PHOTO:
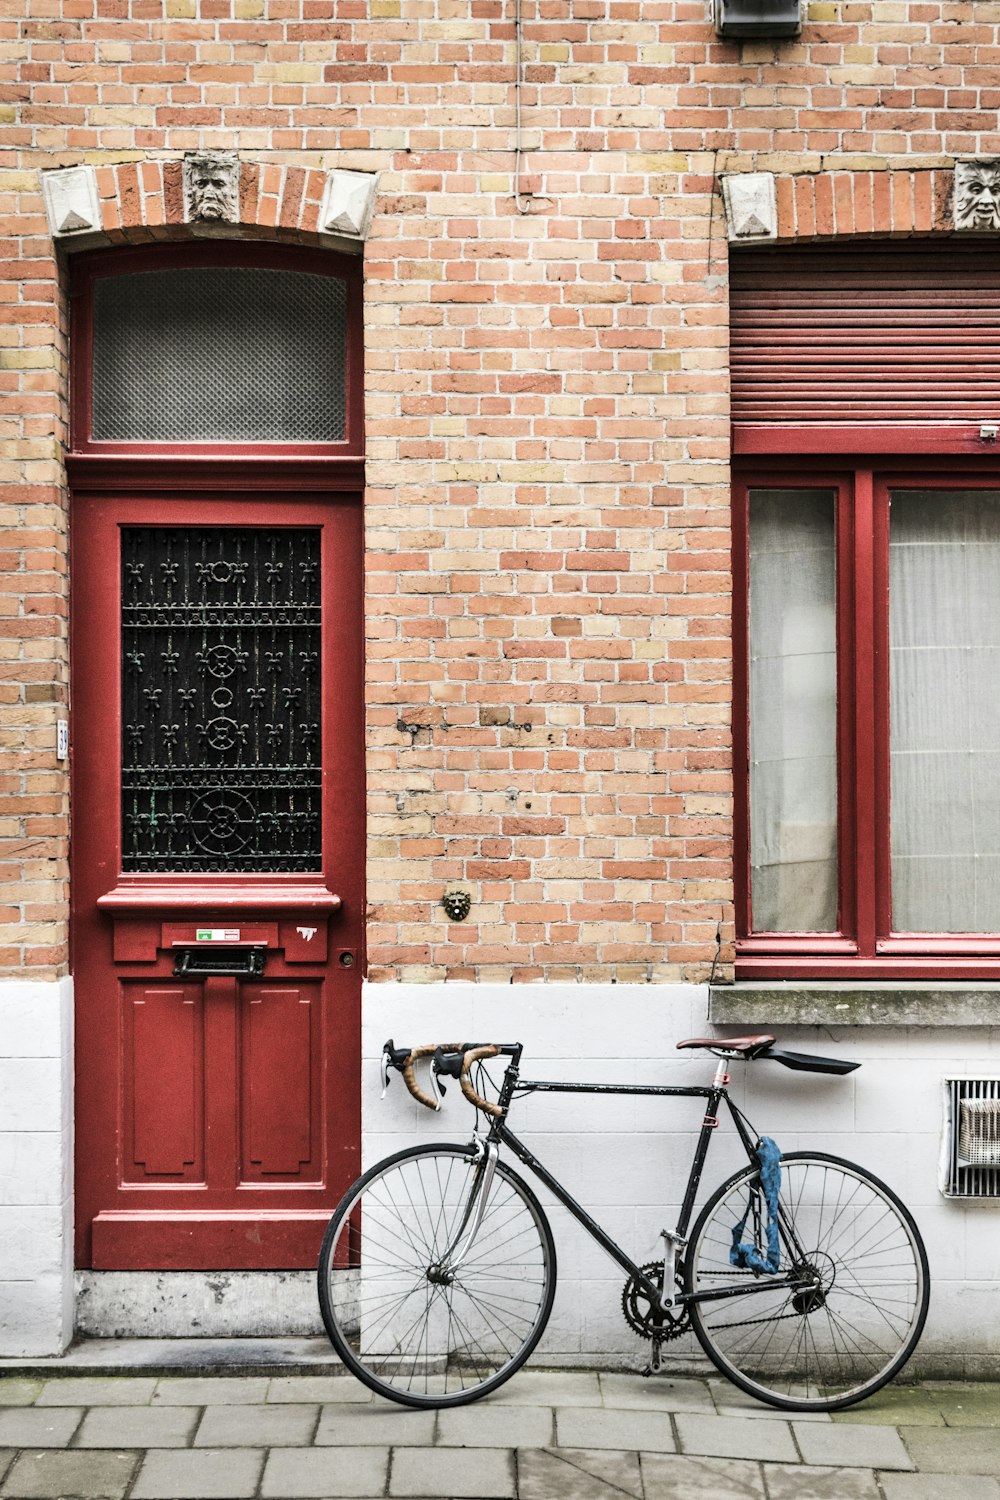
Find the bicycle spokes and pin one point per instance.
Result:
(846, 1306)
(453, 1276)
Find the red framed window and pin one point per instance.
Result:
(867, 669)
(208, 349)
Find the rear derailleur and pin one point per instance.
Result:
(658, 1324)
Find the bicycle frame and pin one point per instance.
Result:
(457, 1266)
(714, 1094)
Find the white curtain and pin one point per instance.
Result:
(793, 711)
(944, 673)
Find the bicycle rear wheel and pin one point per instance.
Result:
(846, 1307)
(415, 1311)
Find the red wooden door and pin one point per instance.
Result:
(217, 872)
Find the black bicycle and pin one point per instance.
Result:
(804, 1278)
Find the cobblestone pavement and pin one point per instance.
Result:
(544, 1436)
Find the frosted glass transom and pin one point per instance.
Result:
(219, 355)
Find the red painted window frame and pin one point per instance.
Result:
(864, 945)
(89, 268)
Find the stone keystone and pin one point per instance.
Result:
(71, 202)
(212, 187)
(348, 203)
(977, 195)
(751, 207)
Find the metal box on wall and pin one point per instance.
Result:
(758, 18)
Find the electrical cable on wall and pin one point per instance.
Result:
(522, 208)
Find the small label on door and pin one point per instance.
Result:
(217, 935)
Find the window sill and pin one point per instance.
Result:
(929, 1003)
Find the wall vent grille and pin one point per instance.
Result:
(972, 1138)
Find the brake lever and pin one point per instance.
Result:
(437, 1067)
(392, 1057)
(437, 1087)
(445, 1062)
(450, 1062)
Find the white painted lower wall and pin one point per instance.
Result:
(36, 1166)
(627, 1159)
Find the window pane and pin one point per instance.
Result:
(793, 711)
(944, 676)
(219, 354)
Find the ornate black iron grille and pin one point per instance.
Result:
(220, 699)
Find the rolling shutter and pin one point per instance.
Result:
(907, 334)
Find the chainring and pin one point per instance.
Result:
(642, 1317)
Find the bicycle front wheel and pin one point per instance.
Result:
(844, 1310)
(434, 1287)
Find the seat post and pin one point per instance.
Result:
(721, 1078)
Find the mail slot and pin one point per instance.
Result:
(204, 963)
(142, 937)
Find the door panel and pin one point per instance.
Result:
(163, 1083)
(217, 766)
(281, 1050)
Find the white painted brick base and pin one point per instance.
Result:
(36, 1167)
(627, 1159)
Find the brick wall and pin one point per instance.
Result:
(547, 506)
(34, 824)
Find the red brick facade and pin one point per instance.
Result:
(548, 661)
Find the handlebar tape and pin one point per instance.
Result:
(476, 1054)
(409, 1077)
(472, 1055)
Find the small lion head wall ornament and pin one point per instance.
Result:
(457, 905)
(211, 190)
(977, 194)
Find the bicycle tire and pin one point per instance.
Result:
(426, 1342)
(857, 1309)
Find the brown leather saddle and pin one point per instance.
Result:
(749, 1047)
(746, 1046)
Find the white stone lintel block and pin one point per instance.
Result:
(348, 204)
(71, 202)
(751, 207)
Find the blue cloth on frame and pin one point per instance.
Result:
(747, 1256)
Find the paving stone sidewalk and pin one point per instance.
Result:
(544, 1436)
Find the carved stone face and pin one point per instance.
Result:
(977, 194)
(210, 182)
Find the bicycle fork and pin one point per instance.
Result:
(485, 1158)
